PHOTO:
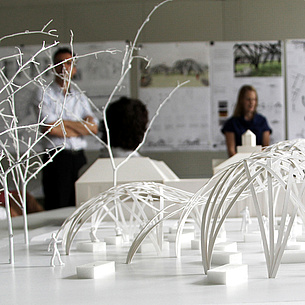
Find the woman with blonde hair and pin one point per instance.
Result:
(246, 117)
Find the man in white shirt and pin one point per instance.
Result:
(62, 100)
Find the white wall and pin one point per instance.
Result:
(179, 20)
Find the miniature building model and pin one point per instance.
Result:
(248, 140)
(99, 176)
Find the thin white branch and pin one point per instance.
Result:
(28, 32)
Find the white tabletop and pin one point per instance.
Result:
(149, 279)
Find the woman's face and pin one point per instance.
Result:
(250, 101)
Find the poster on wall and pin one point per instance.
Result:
(295, 71)
(97, 75)
(184, 121)
(256, 63)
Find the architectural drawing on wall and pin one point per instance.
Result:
(163, 75)
(97, 75)
(257, 59)
(184, 122)
(222, 112)
(295, 70)
(232, 66)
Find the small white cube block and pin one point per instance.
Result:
(91, 246)
(293, 257)
(172, 230)
(165, 245)
(187, 228)
(300, 238)
(114, 240)
(186, 236)
(146, 247)
(95, 270)
(297, 229)
(295, 246)
(251, 237)
(171, 237)
(229, 274)
(196, 244)
(222, 258)
(226, 246)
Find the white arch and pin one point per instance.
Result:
(146, 198)
(279, 168)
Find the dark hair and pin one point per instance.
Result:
(59, 51)
(127, 119)
(239, 108)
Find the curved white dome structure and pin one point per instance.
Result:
(146, 207)
(278, 172)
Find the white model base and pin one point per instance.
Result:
(95, 270)
(186, 236)
(300, 238)
(91, 246)
(253, 236)
(165, 245)
(195, 244)
(187, 227)
(220, 246)
(226, 246)
(293, 257)
(222, 258)
(229, 274)
(114, 240)
(295, 246)
(249, 149)
(296, 230)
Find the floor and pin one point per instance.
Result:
(149, 280)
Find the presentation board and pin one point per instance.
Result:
(192, 118)
(295, 71)
(256, 63)
(216, 70)
(184, 121)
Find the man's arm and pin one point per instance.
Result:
(74, 128)
(83, 128)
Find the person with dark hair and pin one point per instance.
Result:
(79, 121)
(127, 120)
(245, 118)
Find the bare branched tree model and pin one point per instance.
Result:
(20, 142)
(26, 160)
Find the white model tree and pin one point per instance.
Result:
(129, 56)
(21, 155)
(112, 203)
(18, 143)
